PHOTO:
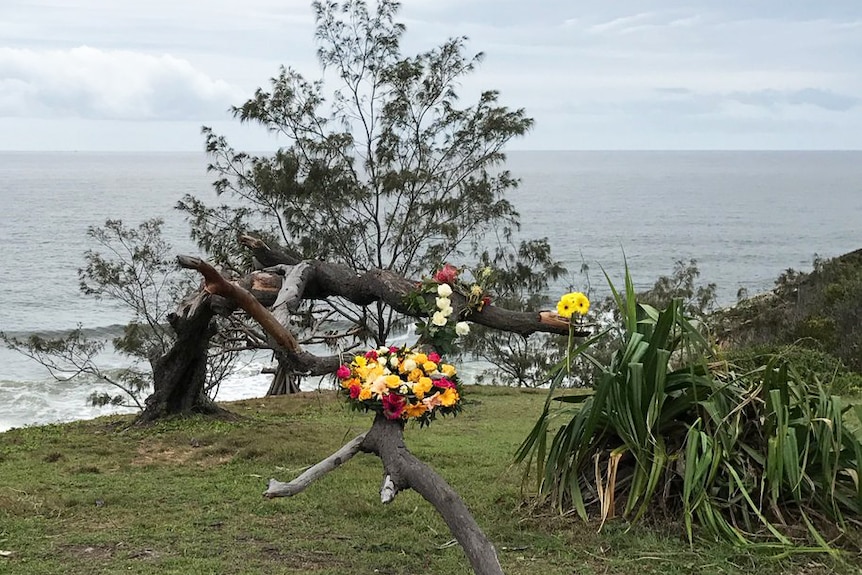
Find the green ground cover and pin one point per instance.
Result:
(184, 497)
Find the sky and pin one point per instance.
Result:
(131, 75)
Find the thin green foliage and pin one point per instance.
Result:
(757, 457)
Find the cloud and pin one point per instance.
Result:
(86, 82)
(622, 24)
(816, 97)
(680, 73)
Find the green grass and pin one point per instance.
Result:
(184, 497)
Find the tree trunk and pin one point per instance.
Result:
(285, 381)
(179, 375)
(403, 470)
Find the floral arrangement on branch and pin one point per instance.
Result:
(444, 326)
(401, 383)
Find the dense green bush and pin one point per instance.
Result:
(746, 453)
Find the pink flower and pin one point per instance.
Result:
(371, 354)
(434, 356)
(354, 391)
(446, 275)
(343, 372)
(443, 382)
(393, 349)
(433, 401)
(393, 405)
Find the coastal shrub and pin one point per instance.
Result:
(758, 454)
(821, 310)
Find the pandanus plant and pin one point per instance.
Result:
(743, 455)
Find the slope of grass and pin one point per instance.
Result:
(184, 497)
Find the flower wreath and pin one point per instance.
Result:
(401, 383)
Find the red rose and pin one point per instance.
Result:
(446, 275)
(434, 356)
(343, 372)
(354, 391)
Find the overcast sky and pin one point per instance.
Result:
(628, 74)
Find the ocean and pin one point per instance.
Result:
(744, 216)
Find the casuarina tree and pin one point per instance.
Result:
(383, 167)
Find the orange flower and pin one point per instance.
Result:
(449, 397)
(415, 409)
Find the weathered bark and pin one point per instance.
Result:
(284, 381)
(402, 470)
(278, 489)
(179, 375)
(324, 279)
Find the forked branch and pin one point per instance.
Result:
(279, 489)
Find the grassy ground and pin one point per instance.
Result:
(184, 497)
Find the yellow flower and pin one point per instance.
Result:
(364, 394)
(571, 303)
(370, 372)
(420, 358)
(415, 375)
(415, 409)
(429, 367)
(476, 290)
(581, 303)
(421, 387)
(448, 370)
(360, 361)
(449, 397)
(393, 381)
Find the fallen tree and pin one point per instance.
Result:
(385, 439)
(178, 375)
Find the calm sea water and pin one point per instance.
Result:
(745, 216)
